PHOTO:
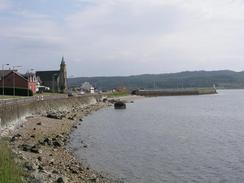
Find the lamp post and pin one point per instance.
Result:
(14, 79)
(3, 78)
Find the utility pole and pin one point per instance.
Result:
(3, 74)
(14, 78)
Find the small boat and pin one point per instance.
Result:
(119, 105)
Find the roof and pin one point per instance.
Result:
(16, 73)
(47, 75)
(62, 62)
(4, 72)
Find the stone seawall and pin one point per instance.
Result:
(12, 113)
(176, 92)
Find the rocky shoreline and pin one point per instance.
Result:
(40, 147)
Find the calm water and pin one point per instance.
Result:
(168, 139)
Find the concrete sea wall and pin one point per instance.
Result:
(14, 112)
(176, 92)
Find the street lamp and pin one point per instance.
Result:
(14, 78)
(3, 74)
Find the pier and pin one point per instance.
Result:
(175, 92)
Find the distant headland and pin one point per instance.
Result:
(223, 79)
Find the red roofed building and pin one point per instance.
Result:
(13, 79)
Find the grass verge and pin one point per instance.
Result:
(9, 170)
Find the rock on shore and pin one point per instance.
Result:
(40, 146)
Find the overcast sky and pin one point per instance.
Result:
(122, 37)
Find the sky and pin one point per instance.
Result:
(122, 37)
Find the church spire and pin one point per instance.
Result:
(63, 77)
(62, 62)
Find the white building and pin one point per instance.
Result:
(92, 90)
(86, 87)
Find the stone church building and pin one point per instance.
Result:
(56, 80)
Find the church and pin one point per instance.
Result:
(56, 80)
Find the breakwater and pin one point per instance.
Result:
(175, 92)
(14, 112)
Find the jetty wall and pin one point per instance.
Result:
(15, 111)
(176, 92)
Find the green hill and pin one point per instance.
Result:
(222, 79)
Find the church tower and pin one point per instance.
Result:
(63, 87)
